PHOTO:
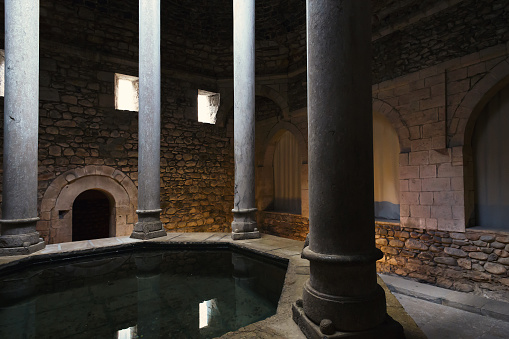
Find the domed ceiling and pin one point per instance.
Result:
(197, 35)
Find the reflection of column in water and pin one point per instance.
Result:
(17, 308)
(244, 285)
(149, 298)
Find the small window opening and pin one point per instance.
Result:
(126, 92)
(208, 105)
(2, 72)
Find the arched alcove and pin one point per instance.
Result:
(473, 108)
(386, 149)
(398, 123)
(92, 215)
(491, 164)
(58, 200)
(266, 174)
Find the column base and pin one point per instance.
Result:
(246, 235)
(244, 224)
(22, 250)
(389, 329)
(20, 237)
(149, 226)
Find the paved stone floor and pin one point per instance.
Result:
(444, 322)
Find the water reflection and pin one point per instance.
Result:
(144, 295)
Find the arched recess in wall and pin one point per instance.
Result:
(260, 90)
(294, 142)
(463, 124)
(56, 206)
(490, 165)
(397, 122)
(386, 151)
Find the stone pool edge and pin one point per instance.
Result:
(279, 325)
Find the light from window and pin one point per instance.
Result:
(208, 105)
(206, 310)
(2, 72)
(126, 92)
(127, 333)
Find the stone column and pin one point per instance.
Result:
(244, 210)
(149, 131)
(21, 124)
(341, 297)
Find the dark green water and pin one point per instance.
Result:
(160, 294)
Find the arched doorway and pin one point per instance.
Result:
(57, 204)
(91, 216)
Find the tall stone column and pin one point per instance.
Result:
(21, 125)
(341, 297)
(149, 131)
(244, 210)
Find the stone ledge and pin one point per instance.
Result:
(463, 301)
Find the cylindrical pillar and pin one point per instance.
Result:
(21, 124)
(244, 210)
(149, 125)
(342, 294)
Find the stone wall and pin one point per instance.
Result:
(284, 225)
(467, 27)
(469, 262)
(81, 49)
(433, 111)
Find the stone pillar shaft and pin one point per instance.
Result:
(21, 124)
(342, 294)
(149, 124)
(244, 211)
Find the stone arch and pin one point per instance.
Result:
(272, 138)
(265, 183)
(395, 118)
(462, 123)
(260, 90)
(272, 94)
(56, 205)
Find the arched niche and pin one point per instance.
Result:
(487, 182)
(265, 170)
(56, 206)
(464, 121)
(397, 122)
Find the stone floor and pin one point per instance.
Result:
(443, 314)
(280, 325)
(444, 322)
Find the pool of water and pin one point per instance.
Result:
(143, 294)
